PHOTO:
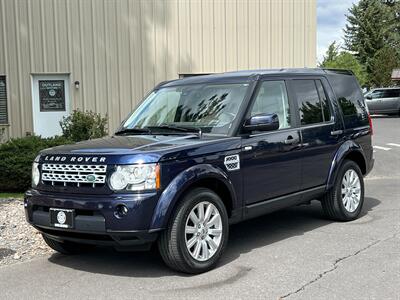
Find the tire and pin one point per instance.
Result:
(333, 204)
(172, 243)
(67, 248)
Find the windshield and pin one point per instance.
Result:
(209, 108)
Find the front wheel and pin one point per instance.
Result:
(197, 233)
(344, 202)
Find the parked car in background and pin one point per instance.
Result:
(383, 101)
(204, 152)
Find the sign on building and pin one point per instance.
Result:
(52, 95)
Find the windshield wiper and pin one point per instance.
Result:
(178, 128)
(133, 130)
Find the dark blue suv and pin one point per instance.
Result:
(204, 152)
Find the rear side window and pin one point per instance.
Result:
(324, 101)
(379, 94)
(350, 99)
(312, 101)
(390, 93)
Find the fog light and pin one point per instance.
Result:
(120, 211)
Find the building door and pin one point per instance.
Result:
(51, 102)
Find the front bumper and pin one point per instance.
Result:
(95, 221)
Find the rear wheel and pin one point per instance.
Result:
(66, 247)
(345, 200)
(197, 233)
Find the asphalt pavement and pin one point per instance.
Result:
(291, 254)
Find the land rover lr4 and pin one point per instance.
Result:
(204, 152)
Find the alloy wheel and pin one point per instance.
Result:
(351, 190)
(203, 231)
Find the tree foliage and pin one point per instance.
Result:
(331, 54)
(80, 126)
(374, 26)
(16, 157)
(344, 60)
(382, 64)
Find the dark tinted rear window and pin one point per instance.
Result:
(350, 99)
(324, 100)
(308, 101)
(312, 102)
(390, 93)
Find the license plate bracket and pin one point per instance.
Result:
(62, 218)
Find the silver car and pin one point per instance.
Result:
(383, 101)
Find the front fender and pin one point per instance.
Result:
(341, 153)
(179, 184)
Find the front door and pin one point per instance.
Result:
(374, 102)
(51, 102)
(271, 165)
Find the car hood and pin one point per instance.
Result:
(139, 148)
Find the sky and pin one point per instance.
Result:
(331, 21)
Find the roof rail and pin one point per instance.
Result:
(160, 84)
(338, 71)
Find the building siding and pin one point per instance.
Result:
(119, 50)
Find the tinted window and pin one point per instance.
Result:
(324, 101)
(272, 99)
(310, 107)
(379, 94)
(350, 99)
(390, 93)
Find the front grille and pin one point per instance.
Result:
(74, 175)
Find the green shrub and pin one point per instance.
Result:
(16, 157)
(80, 126)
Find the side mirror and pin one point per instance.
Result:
(262, 122)
(368, 97)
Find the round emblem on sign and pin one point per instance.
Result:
(52, 93)
(91, 178)
(61, 217)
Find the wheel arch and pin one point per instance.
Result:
(348, 150)
(204, 175)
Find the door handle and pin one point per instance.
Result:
(336, 132)
(290, 140)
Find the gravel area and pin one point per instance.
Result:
(18, 240)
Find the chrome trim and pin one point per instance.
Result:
(75, 174)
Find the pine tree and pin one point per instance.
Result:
(331, 54)
(347, 61)
(384, 61)
(372, 25)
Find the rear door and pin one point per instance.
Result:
(270, 161)
(389, 101)
(320, 130)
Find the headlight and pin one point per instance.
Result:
(35, 174)
(135, 177)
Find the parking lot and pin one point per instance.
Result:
(292, 254)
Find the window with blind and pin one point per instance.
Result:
(3, 101)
